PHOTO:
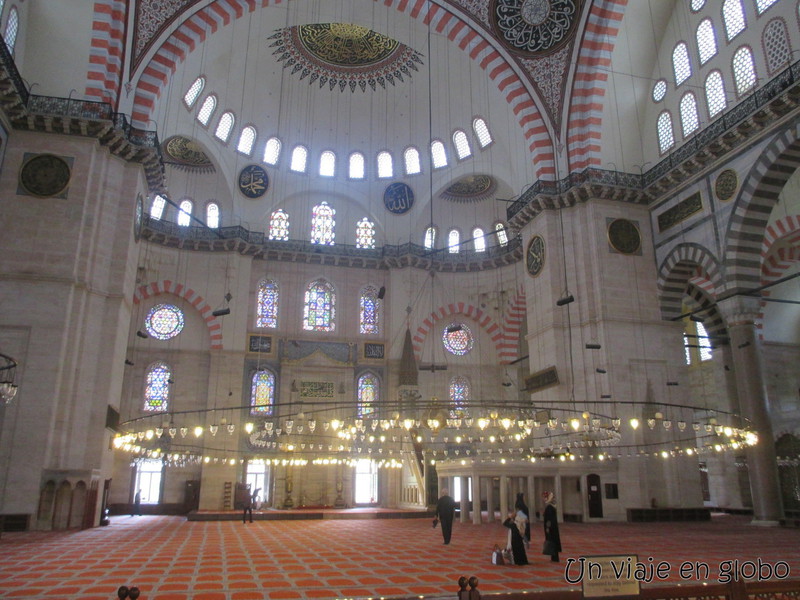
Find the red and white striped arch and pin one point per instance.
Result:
(178, 289)
(104, 79)
(154, 77)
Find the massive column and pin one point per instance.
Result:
(464, 484)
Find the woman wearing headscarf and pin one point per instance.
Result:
(516, 528)
(550, 517)
(522, 510)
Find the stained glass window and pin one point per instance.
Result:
(459, 396)
(356, 166)
(185, 213)
(666, 137)
(438, 154)
(156, 387)
(385, 168)
(193, 93)
(744, 71)
(207, 109)
(319, 310)
(322, 224)
(411, 156)
(482, 132)
(715, 94)
(733, 18)
(706, 41)
(368, 394)
(299, 157)
(453, 241)
(689, 118)
(225, 126)
(680, 63)
(478, 239)
(430, 237)
(246, 140)
(457, 339)
(157, 207)
(502, 235)
(267, 304)
(279, 226)
(212, 215)
(462, 145)
(262, 393)
(327, 164)
(369, 311)
(164, 321)
(272, 151)
(365, 234)
(12, 28)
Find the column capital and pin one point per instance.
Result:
(740, 310)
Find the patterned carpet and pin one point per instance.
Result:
(169, 558)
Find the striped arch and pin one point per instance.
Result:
(457, 308)
(777, 260)
(103, 80)
(759, 194)
(589, 84)
(178, 289)
(686, 264)
(155, 75)
(516, 310)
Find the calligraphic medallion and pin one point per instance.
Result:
(398, 198)
(726, 184)
(253, 181)
(624, 236)
(45, 175)
(535, 26)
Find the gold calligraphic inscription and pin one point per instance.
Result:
(541, 379)
(45, 175)
(624, 236)
(681, 211)
(346, 44)
(470, 188)
(186, 152)
(316, 389)
(726, 184)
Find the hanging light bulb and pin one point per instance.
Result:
(184, 431)
(198, 431)
(634, 423)
(681, 425)
(575, 423)
(651, 423)
(248, 427)
(213, 429)
(231, 428)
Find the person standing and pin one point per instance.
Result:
(522, 510)
(445, 510)
(137, 504)
(550, 517)
(516, 544)
(247, 504)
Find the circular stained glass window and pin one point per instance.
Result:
(457, 339)
(659, 90)
(164, 321)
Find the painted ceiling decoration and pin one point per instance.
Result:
(534, 27)
(186, 154)
(344, 55)
(471, 188)
(152, 16)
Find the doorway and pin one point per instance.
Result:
(595, 496)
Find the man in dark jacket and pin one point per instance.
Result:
(445, 510)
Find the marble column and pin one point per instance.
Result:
(476, 499)
(503, 497)
(559, 498)
(489, 499)
(464, 517)
(762, 464)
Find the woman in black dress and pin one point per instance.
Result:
(516, 529)
(550, 517)
(523, 508)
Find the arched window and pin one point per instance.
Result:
(322, 224)
(185, 213)
(775, 40)
(225, 126)
(156, 387)
(733, 18)
(461, 143)
(368, 394)
(246, 140)
(429, 240)
(157, 207)
(385, 168)
(706, 41)
(272, 151)
(453, 241)
(744, 70)
(697, 5)
(369, 311)
(207, 109)
(356, 170)
(262, 392)
(482, 132)
(703, 342)
(659, 90)
(438, 155)
(502, 235)
(279, 226)
(212, 215)
(689, 119)
(460, 391)
(267, 304)
(193, 93)
(478, 240)
(680, 63)
(12, 28)
(715, 94)
(411, 157)
(319, 308)
(299, 157)
(666, 138)
(365, 234)
(763, 5)
(327, 164)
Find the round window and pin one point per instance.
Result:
(164, 321)
(457, 339)
(659, 90)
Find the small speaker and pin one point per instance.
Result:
(381, 292)
(220, 312)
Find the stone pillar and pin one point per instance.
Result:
(503, 497)
(531, 500)
(476, 499)
(463, 484)
(489, 499)
(559, 498)
(762, 462)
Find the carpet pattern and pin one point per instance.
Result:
(169, 558)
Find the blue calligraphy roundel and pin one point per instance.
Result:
(398, 198)
(253, 181)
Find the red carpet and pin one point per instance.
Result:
(169, 558)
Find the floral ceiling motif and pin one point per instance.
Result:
(534, 26)
(470, 188)
(151, 17)
(344, 55)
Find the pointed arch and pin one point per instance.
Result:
(484, 321)
(686, 262)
